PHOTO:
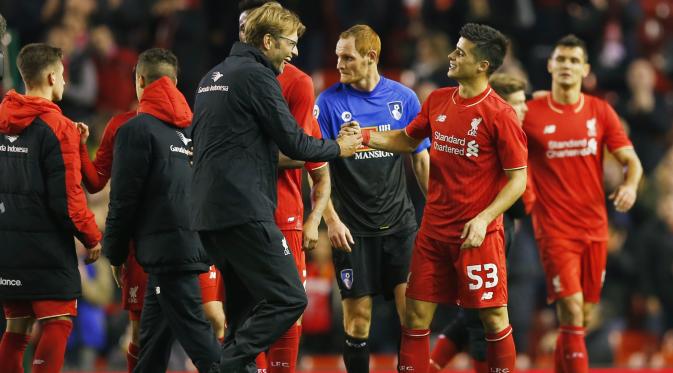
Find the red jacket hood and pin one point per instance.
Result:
(18, 111)
(163, 100)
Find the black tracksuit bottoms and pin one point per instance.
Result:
(264, 295)
(173, 309)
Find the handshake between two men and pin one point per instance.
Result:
(349, 138)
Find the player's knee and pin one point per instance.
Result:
(494, 319)
(571, 311)
(358, 325)
(417, 318)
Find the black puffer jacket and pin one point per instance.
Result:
(42, 204)
(151, 183)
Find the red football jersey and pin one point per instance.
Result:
(473, 142)
(566, 145)
(97, 173)
(297, 89)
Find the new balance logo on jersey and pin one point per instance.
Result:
(441, 118)
(11, 138)
(487, 295)
(2, 207)
(286, 250)
(157, 290)
(9, 282)
(591, 127)
(549, 129)
(472, 149)
(216, 76)
(475, 127)
(38, 362)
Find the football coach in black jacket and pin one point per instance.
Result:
(240, 122)
(150, 203)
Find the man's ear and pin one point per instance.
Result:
(51, 78)
(483, 66)
(267, 41)
(373, 57)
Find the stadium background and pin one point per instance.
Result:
(631, 52)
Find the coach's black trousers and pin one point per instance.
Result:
(173, 309)
(264, 295)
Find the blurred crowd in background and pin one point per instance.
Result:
(631, 55)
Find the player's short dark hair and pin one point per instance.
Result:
(489, 44)
(572, 41)
(246, 5)
(506, 84)
(156, 63)
(34, 58)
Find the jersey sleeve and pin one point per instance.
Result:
(414, 108)
(314, 130)
(301, 102)
(323, 117)
(419, 128)
(511, 142)
(614, 137)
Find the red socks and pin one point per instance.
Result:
(11, 351)
(558, 355)
(132, 356)
(500, 352)
(414, 351)
(260, 361)
(573, 349)
(443, 352)
(50, 351)
(282, 355)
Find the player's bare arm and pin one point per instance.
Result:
(320, 191)
(421, 164)
(396, 141)
(625, 195)
(285, 162)
(474, 231)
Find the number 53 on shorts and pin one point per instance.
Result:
(482, 276)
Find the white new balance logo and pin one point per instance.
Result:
(183, 138)
(549, 129)
(216, 76)
(441, 118)
(487, 295)
(11, 138)
(472, 149)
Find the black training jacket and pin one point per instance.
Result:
(42, 204)
(151, 183)
(240, 122)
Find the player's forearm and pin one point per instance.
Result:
(330, 215)
(285, 162)
(634, 169)
(421, 165)
(393, 141)
(320, 191)
(509, 194)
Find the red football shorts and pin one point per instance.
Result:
(295, 240)
(39, 309)
(474, 278)
(573, 266)
(134, 283)
(212, 285)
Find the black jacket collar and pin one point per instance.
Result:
(247, 50)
